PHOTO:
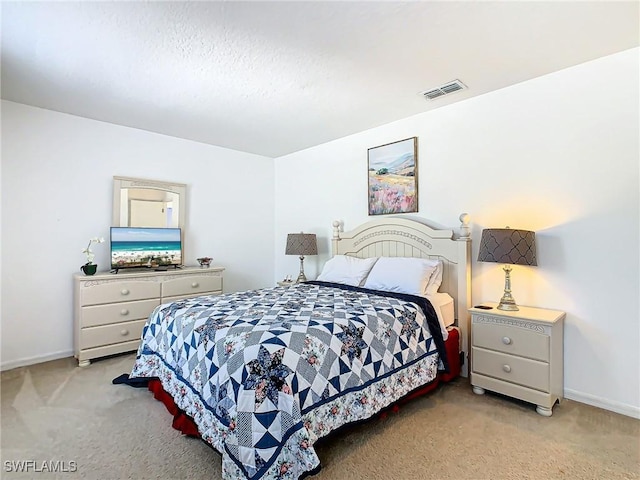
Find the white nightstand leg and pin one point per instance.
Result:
(544, 411)
(478, 390)
(84, 363)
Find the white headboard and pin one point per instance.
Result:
(404, 237)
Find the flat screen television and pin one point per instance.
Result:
(136, 247)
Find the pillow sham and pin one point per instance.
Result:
(443, 305)
(347, 270)
(435, 280)
(401, 275)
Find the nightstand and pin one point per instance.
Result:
(518, 354)
(286, 283)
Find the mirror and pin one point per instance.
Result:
(148, 203)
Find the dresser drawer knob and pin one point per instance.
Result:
(195, 284)
(124, 291)
(506, 340)
(124, 332)
(506, 368)
(124, 312)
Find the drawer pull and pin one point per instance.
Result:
(124, 332)
(195, 285)
(124, 291)
(506, 368)
(124, 312)
(506, 340)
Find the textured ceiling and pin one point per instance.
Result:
(276, 77)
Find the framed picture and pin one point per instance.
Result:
(393, 177)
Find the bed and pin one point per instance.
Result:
(264, 374)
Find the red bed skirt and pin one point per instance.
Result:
(184, 423)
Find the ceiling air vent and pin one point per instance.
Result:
(445, 89)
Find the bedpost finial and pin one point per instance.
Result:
(336, 230)
(465, 232)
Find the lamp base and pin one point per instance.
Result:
(507, 302)
(508, 305)
(301, 277)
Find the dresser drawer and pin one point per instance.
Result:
(109, 334)
(523, 371)
(117, 312)
(512, 340)
(190, 286)
(119, 292)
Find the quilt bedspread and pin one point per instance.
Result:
(265, 373)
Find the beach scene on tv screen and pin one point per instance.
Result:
(145, 247)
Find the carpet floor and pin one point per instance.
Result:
(58, 412)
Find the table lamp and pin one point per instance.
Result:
(511, 247)
(301, 244)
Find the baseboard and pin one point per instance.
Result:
(611, 405)
(23, 362)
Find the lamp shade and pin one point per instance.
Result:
(301, 244)
(506, 245)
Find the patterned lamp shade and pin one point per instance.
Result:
(505, 245)
(301, 244)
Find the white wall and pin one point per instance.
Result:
(559, 155)
(57, 175)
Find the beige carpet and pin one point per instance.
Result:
(59, 412)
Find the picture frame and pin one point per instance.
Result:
(393, 177)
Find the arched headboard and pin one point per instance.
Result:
(405, 237)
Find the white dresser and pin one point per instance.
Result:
(111, 309)
(519, 354)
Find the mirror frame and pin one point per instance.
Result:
(120, 183)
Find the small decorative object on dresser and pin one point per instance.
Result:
(286, 282)
(518, 354)
(90, 268)
(111, 310)
(205, 262)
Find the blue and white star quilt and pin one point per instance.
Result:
(265, 373)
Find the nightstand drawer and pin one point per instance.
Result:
(190, 286)
(117, 312)
(512, 340)
(119, 292)
(110, 334)
(522, 371)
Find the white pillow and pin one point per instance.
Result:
(401, 275)
(347, 270)
(435, 280)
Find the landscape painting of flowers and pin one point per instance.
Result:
(393, 177)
